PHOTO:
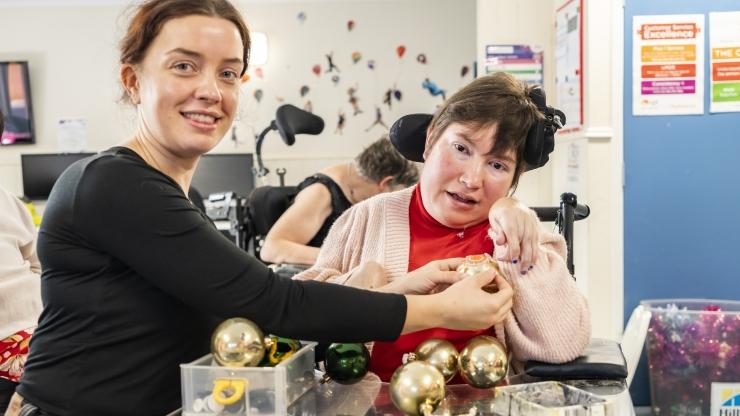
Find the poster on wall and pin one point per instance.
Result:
(724, 47)
(668, 65)
(569, 63)
(522, 61)
(72, 135)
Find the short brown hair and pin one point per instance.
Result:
(381, 159)
(492, 99)
(151, 15)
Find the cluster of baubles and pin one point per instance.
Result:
(417, 387)
(239, 342)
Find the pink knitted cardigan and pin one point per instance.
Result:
(550, 320)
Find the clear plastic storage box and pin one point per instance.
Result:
(549, 398)
(267, 390)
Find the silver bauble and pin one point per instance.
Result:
(238, 342)
(441, 354)
(417, 388)
(483, 362)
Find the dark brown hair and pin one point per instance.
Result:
(493, 99)
(151, 15)
(381, 159)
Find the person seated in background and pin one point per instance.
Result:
(463, 206)
(20, 292)
(297, 236)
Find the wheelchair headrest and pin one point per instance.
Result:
(291, 120)
(408, 134)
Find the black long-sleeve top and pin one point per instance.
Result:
(135, 279)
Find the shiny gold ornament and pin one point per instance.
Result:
(439, 353)
(417, 388)
(238, 342)
(483, 362)
(478, 263)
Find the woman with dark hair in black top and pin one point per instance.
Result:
(297, 236)
(135, 278)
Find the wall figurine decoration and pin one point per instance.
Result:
(378, 120)
(433, 88)
(330, 62)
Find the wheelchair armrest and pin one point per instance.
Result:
(602, 360)
(288, 269)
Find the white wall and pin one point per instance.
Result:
(73, 63)
(598, 239)
(602, 171)
(520, 22)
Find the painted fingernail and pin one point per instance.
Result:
(515, 261)
(531, 267)
(524, 272)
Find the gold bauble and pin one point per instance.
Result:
(483, 362)
(417, 388)
(441, 354)
(478, 263)
(238, 342)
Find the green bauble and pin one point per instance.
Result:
(347, 363)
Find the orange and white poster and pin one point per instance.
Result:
(724, 55)
(668, 64)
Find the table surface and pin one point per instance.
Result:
(371, 397)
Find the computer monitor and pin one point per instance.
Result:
(223, 172)
(40, 171)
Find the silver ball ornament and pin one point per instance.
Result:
(238, 342)
(417, 388)
(439, 353)
(483, 362)
(478, 263)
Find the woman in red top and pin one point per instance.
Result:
(462, 206)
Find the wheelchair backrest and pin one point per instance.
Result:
(265, 205)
